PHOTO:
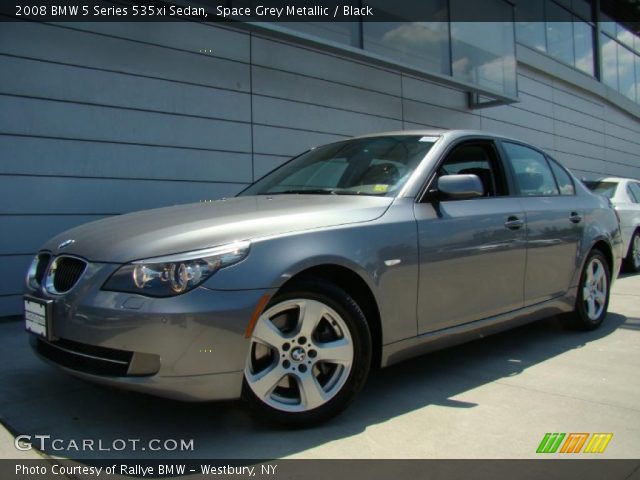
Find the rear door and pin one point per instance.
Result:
(554, 221)
(472, 252)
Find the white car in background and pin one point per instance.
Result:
(624, 193)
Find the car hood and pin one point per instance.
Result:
(181, 228)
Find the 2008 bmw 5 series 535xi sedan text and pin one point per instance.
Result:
(353, 255)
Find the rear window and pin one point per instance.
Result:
(606, 189)
(634, 192)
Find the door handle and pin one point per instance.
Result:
(575, 217)
(514, 223)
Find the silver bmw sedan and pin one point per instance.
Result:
(624, 194)
(351, 256)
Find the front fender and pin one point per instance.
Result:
(382, 252)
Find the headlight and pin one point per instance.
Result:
(175, 274)
(32, 281)
(37, 270)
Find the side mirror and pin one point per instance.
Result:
(460, 187)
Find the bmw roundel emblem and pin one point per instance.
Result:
(65, 244)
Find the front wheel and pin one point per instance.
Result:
(593, 293)
(309, 355)
(632, 260)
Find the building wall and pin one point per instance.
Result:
(102, 119)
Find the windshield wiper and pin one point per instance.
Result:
(314, 191)
(309, 191)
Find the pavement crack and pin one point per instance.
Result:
(632, 474)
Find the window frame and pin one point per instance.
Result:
(550, 161)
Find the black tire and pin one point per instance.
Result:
(632, 261)
(356, 323)
(580, 319)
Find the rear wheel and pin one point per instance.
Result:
(632, 260)
(309, 356)
(593, 293)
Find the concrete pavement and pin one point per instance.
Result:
(8, 450)
(494, 398)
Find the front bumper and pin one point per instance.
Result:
(188, 347)
(195, 388)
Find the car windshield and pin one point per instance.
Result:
(606, 189)
(366, 166)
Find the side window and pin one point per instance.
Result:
(563, 179)
(533, 174)
(634, 192)
(476, 159)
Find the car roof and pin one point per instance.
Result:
(453, 134)
(437, 132)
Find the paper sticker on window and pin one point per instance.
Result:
(380, 188)
(428, 139)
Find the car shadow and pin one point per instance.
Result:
(38, 399)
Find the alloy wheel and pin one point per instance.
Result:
(594, 289)
(300, 356)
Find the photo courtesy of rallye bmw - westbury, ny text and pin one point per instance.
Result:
(144, 470)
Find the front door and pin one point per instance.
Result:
(472, 252)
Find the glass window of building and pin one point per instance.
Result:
(347, 33)
(607, 25)
(619, 55)
(567, 33)
(609, 61)
(624, 35)
(560, 33)
(583, 43)
(582, 8)
(530, 30)
(483, 53)
(626, 73)
(424, 45)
